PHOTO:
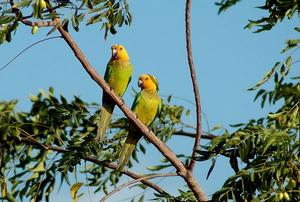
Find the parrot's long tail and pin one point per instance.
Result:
(127, 151)
(105, 117)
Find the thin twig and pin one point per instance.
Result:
(135, 181)
(54, 37)
(194, 81)
(193, 135)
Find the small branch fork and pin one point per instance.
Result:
(194, 81)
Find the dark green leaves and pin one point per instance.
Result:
(276, 11)
(267, 76)
(225, 4)
(110, 14)
(70, 125)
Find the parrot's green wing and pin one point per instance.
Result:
(158, 110)
(107, 73)
(136, 100)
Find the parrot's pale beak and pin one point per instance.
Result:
(140, 83)
(114, 52)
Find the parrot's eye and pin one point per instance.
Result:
(147, 78)
(121, 48)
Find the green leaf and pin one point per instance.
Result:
(75, 23)
(23, 3)
(288, 62)
(267, 76)
(297, 29)
(292, 43)
(40, 167)
(74, 189)
(158, 167)
(142, 148)
(141, 199)
(3, 188)
(259, 93)
(216, 127)
(213, 163)
(6, 19)
(276, 115)
(269, 142)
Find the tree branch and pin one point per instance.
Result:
(96, 161)
(24, 20)
(135, 181)
(194, 81)
(193, 135)
(181, 170)
(49, 23)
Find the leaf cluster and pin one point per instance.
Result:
(264, 153)
(30, 167)
(277, 11)
(110, 14)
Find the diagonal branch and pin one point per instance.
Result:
(194, 81)
(96, 161)
(164, 150)
(135, 181)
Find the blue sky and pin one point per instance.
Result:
(228, 60)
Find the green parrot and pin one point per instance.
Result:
(117, 75)
(146, 106)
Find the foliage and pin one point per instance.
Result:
(56, 136)
(109, 13)
(29, 165)
(264, 153)
(277, 10)
(187, 196)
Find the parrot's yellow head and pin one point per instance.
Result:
(119, 53)
(147, 81)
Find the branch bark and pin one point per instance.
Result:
(49, 23)
(194, 81)
(96, 161)
(135, 181)
(181, 170)
(193, 135)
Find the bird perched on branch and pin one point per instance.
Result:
(117, 75)
(146, 106)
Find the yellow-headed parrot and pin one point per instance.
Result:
(117, 75)
(146, 106)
